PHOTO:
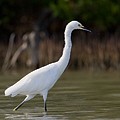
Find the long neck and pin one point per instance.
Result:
(63, 61)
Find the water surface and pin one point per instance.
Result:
(76, 96)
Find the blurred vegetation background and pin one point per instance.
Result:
(43, 21)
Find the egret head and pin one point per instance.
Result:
(76, 25)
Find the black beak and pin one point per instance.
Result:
(82, 28)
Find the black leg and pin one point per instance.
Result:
(18, 106)
(45, 98)
(28, 97)
(45, 106)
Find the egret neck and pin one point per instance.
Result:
(63, 61)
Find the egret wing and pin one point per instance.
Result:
(34, 82)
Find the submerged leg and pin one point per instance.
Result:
(26, 99)
(45, 98)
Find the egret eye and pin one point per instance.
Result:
(79, 25)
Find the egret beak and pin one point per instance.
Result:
(82, 28)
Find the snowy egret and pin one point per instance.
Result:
(40, 81)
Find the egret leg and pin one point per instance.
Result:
(45, 98)
(45, 106)
(28, 97)
(18, 106)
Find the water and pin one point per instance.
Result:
(76, 96)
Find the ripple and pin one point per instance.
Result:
(35, 116)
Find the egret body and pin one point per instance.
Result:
(40, 81)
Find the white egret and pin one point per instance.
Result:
(40, 81)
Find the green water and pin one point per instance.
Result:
(76, 96)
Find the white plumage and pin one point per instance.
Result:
(40, 81)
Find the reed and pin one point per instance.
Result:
(90, 54)
(87, 53)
